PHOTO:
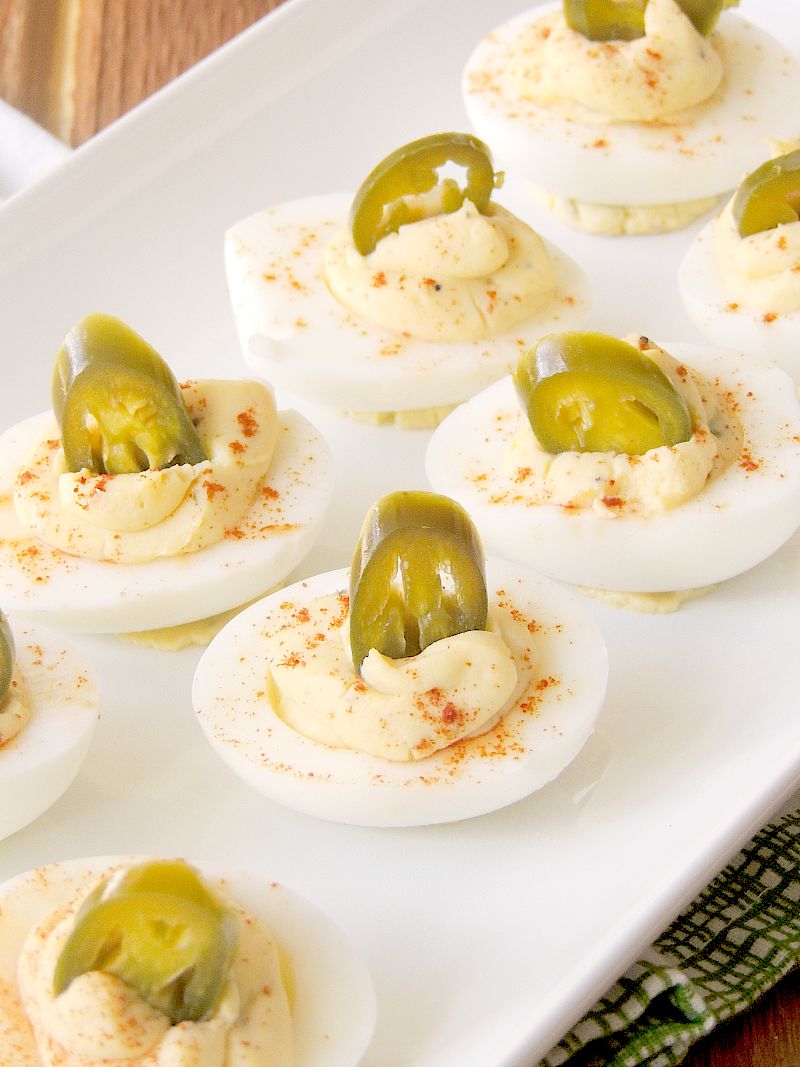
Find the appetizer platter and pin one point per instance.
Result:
(487, 927)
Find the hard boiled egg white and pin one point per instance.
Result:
(332, 1001)
(41, 761)
(527, 748)
(295, 333)
(739, 519)
(99, 597)
(761, 333)
(638, 163)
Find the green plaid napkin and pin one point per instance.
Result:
(735, 941)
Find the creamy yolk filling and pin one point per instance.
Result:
(100, 1019)
(616, 220)
(658, 77)
(134, 518)
(457, 277)
(612, 484)
(399, 710)
(15, 710)
(762, 271)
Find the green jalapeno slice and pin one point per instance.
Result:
(417, 576)
(705, 13)
(606, 20)
(770, 196)
(586, 392)
(623, 20)
(118, 404)
(405, 187)
(7, 657)
(157, 927)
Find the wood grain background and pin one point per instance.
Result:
(77, 65)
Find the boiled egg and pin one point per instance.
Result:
(330, 992)
(575, 152)
(741, 516)
(39, 762)
(98, 596)
(295, 333)
(553, 716)
(756, 325)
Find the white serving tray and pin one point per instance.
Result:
(488, 938)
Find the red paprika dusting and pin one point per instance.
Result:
(248, 422)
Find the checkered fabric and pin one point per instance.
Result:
(735, 941)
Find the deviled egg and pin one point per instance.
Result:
(419, 689)
(211, 968)
(48, 713)
(622, 466)
(630, 118)
(424, 295)
(740, 279)
(139, 503)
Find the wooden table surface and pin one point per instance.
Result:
(75, 66)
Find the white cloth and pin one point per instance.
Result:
(26, 150)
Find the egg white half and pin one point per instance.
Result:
(333, 1010)
(739, 519)
(296, 334)
(630, 162)
(522, 753)
(97, 597)
(40, 763)
(762, 334)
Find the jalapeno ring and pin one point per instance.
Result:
(587, 392)
(157, 927)
(623, 20)
(394, 193)
(417, 576)
(7, 657)
(118, 404)
(770, 196)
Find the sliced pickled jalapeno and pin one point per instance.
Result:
(7, 656)
(118, 404)
(586, 392)
(770, 196)
(157, 927)
(606, 20)
(623, 20)
(417, 576)
(705, 13)
(405, 187)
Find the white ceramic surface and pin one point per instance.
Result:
(487, 938)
